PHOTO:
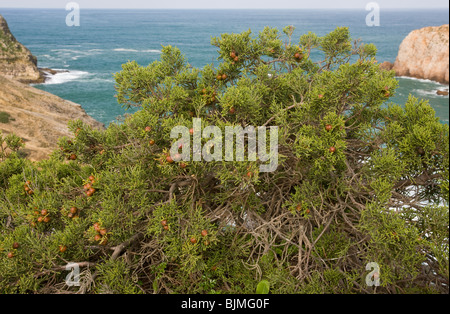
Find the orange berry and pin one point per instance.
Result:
(97, 226)
(204, 233)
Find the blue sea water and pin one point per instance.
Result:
(105, 39)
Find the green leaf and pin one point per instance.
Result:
(263, 287)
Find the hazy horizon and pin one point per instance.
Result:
(230, 4)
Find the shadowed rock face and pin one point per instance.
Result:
(424, 54)
(16, 61)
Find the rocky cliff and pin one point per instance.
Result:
(16, 61)
(424, 54)
(38, 117)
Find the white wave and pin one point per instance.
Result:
(152, 50)
(73, 54)
(64, 77)
(99, 79)
(422, 80)
(428, 93)
(135, 50)
(125, 49)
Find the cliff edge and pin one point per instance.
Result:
(424, 54)
(16, 61)
(38, 117)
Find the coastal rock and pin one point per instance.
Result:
(38, 117)
(16, 61)
(442, 92)
(424, 54)
(386, 65)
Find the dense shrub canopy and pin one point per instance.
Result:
(358, 181)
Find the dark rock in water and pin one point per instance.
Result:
(442, 92)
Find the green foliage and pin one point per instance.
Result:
(263, 287)
(5, 117)
(358, 181)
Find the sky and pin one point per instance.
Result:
(226, 4)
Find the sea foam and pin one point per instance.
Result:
(64, 77)
(135, 50)
(422, 80)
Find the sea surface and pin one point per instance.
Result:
(106, 39)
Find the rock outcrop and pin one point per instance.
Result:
(424, 54)
(386, 65)
(16, 61)
(38, 117)
(442, 92)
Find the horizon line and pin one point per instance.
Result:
(147, 8)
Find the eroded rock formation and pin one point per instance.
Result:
(424, 54)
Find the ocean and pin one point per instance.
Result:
(106, 39)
